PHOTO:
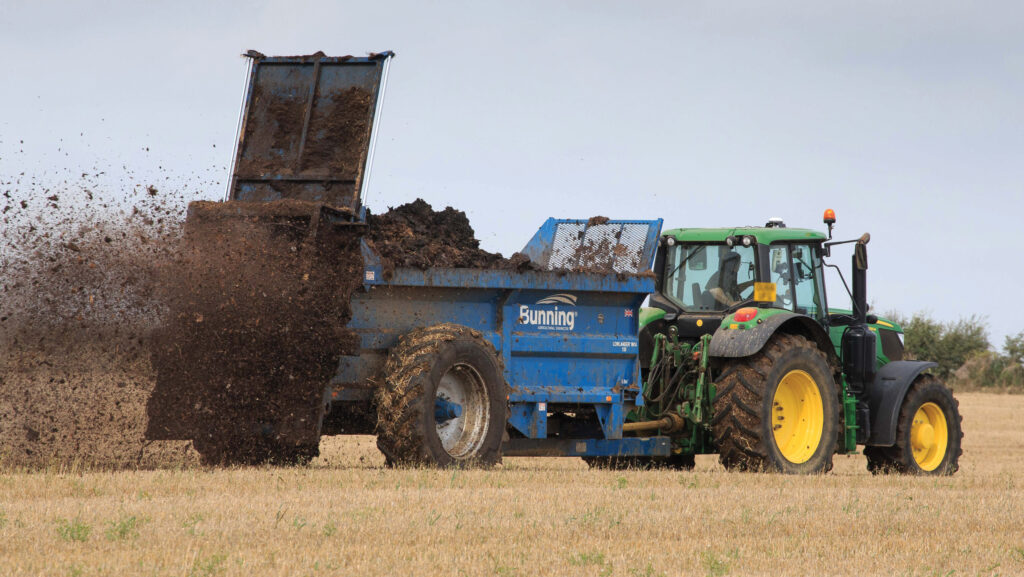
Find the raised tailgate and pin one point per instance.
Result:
(307, 128)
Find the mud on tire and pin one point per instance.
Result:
(900, 458)
(745, 408)
(454, 364)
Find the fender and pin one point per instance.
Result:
(734, 343)
(885, 397)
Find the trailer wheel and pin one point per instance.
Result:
(928, 433)
(444, 399)
(777, 410)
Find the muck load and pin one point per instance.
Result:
(304, 315)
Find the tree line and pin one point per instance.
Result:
(962, 349)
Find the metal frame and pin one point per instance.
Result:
(290, 171)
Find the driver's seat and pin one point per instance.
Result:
(722, 285)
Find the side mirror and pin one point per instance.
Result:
(860, 256)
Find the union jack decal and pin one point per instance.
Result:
(629, 313)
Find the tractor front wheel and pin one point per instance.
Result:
(928, 433)
(777, 410)
(443, 401)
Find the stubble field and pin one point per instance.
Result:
(348, 515)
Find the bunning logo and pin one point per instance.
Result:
(551, 319)
(563, 298)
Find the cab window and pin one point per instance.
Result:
(807, 280)
(796, 271)
(709, 277)
(778, 262)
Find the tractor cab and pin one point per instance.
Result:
(706, 275)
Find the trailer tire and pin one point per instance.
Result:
(929, 421)
(789, 377)
(445, 363)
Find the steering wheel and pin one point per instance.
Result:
(785, 299)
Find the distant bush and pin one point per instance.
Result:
(948, 344)
(962, 350)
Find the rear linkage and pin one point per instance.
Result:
(677, 393)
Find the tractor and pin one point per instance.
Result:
(742, 356)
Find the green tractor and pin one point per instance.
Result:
(741, 356)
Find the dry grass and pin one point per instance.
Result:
(346, 515)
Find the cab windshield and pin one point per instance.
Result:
(709, 277)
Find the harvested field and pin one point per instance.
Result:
(347, 515)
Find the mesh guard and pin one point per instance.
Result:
(614, 246)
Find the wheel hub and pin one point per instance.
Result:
(924, 436)
(798, 416)
(929, 436)
(461, 415)
(445, 410)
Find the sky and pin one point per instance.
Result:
(906, 118)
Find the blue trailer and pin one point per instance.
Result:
(453, 365)
(562, 345)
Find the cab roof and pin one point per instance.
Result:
(762, 234)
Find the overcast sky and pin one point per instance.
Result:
(907, 118)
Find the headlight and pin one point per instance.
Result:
(670, 241)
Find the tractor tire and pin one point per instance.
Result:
(449, 363)
(789, 378)
(929, 434)
(672, 462)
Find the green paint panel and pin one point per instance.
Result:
(835, 334)
(763, 235)
(650, 314)
(762, 314)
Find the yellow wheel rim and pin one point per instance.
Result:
(798, 416)
(929, 436)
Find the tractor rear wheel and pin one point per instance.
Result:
(928, 433)
(443, 401)
(777, 410)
